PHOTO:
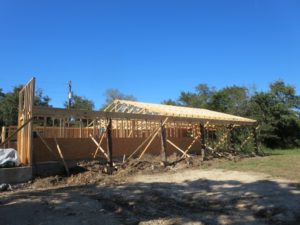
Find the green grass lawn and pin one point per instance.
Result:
(277, 163)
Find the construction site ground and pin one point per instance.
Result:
(147, 192)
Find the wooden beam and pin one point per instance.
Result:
(230, 139)
(163, 138)
(47, 146)
(62, 157)
(255, 142)
(202, 132)
(152, 139)
(15, 132)
(140, 146)
(191, 145)
(203, 145)
(179, 149)
(99, 146)
(3, 134)
(109, 145)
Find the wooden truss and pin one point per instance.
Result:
(131, 107)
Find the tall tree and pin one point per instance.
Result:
(231, 100)
(199, 99)
(276, 112)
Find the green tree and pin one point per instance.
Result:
(231, 100)
(40, 99)
(201, 98)
(2, 96)
(169, 102)
(9, 104)
(276, 111)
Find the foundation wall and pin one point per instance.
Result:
(15, 175)
(84, 148)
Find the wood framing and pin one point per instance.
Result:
(24, 144)
(125, 106)
(122, 122)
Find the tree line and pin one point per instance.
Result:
(277, 110)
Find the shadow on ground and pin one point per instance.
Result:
(191, 202)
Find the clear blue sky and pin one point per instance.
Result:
(150, 49)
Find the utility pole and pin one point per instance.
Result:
(70, 95)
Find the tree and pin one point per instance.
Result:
(79, 102)
(169, 102)
(40, 99)
(231, 100)
(285, 94)
(200, 99)
(9, 104)
(275, 111)
(112, 94)
(2, 96)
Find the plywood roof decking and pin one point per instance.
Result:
(124, 106)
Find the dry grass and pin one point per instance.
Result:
(277, 163)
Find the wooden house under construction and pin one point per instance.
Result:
(125, 129)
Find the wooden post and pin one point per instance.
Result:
(163, 143)
(231, 142)
(202, 131)
(255, 142)
(60, 127)
(62, 157)
(80, 127)
(3, 134)
(109, 146)
(94, 128)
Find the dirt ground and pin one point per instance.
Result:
(144, 192)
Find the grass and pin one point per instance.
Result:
(278, 163)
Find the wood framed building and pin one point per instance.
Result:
(124, 128)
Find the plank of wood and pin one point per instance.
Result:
(152, 139)
(179, 149)
(163, 144)
(140, 146)
(62, 157)
(109, 145)
(3, 134)
(15, 132)
(190, 146)
(99, 146)
(47, 146)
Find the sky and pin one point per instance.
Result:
(152, 49)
